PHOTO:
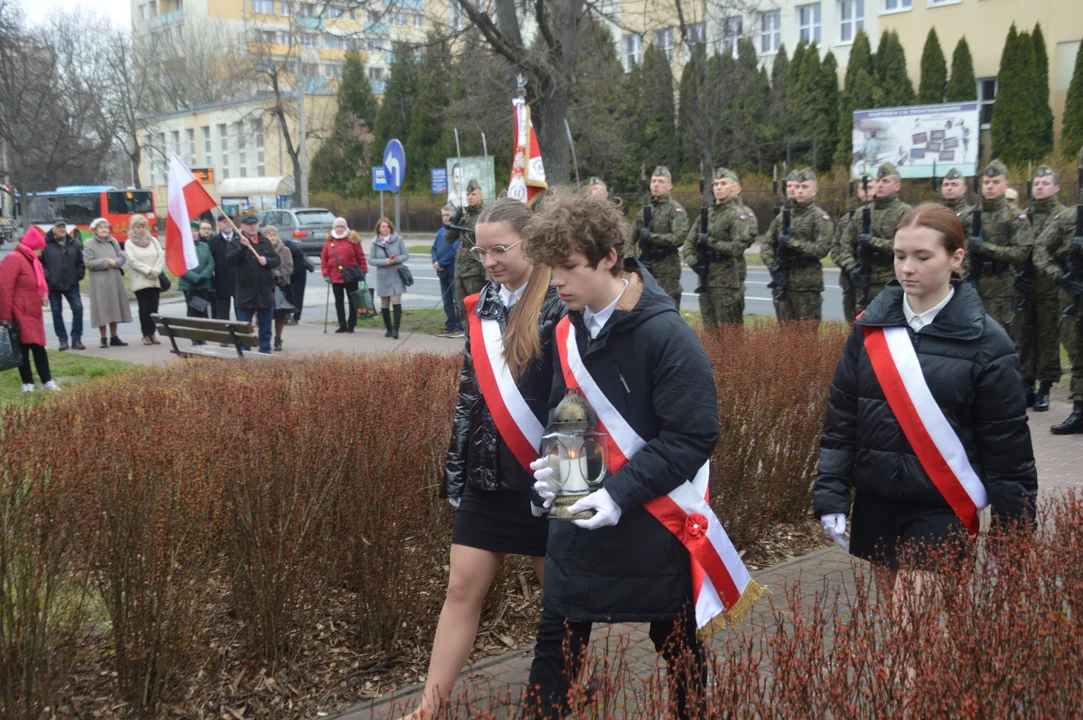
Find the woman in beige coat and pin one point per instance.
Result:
(147, 262)
(282, 275)
(108, 299)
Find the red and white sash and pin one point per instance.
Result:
(722, 588)
(935, 443)
(514, 419)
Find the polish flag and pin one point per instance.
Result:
(187, 199)
(527, 171)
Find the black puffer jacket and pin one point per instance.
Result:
(972, 370)
(477, 456)
(63, 261)
(654, 370)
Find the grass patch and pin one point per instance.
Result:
(84, 286)
(414, 320)
(68, 368)
(424, 250)
(755, 259)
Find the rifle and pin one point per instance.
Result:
(936, 190)
(1069, 280)
(1022, 277)
(852, 209)
(702, 264)
(780, 271)
(774, 190)
(974, 276)
(645, 245)
(865, 246)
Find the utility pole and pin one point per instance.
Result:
(302, 152)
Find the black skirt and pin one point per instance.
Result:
(499, 521)
(895, 531)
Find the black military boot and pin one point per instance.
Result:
(1074, 423)
(386, 313)
(1030, 392)
(398, 321)
(1041, 399)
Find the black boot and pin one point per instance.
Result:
(398, 321)
(387, 320)
(1074, 423)
(1030, 392)
(1041, 400)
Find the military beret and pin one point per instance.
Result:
(725, 173)
(1044, 170)
(473, 185)
(885, 170)
(792, 177)
(806, 175)
(662, 171)
(995, 168)
(953, 174)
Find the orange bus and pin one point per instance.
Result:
(79, 205)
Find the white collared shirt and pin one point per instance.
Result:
(509, 298)
(596, 321)
(916, 321)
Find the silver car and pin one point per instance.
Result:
(306, 226)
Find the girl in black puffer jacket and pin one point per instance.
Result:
(971, 368)
(487, 477)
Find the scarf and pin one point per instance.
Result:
(140, 242)
(383, 240)
(39, 271)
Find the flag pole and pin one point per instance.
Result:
(235, 228)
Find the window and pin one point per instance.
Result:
(664, 39)
(808, 23)
(242, 149)
(127, 202)
(333, 71)
(159, 158)
(376, 44)
(310, 69)
(454, 16)
(419, 21)
(332, 13)
(148, 143)
(987, 92)
(851, 19)
(143, 12)
(263, 7)
(770, 31)
(190, 141)
(308, 40)
(896, 5)
(223, 148)
(286, 8)
(632, 51)
(731, 35)
(175, 143)
(263, 36)
(257, 132)
(208, 156)
(334, 42)
(376, 73)
(374, 17)
(697, 35)
(153, 8)
(398, 19)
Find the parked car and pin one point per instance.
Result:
(308, 226)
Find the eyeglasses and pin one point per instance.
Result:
(497, 251)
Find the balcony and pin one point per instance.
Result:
(309, 23)
(166, 19)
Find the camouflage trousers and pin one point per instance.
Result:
(719, 306)
(1037, 335)
(671, 286)
(1071, 335)
(1001, 309)
(798, 305)
(464, 287)
(849, 299)
(874, 290)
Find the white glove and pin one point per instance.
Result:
(835, 526)
(545, 485)
(454, 502)
(608, 512)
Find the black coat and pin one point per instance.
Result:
(654, 370)
(255, 283)
(477, 455)
(972, 370)
(224, 284)
(301, 263)
(63, 263)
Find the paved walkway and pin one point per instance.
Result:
(1059, 459)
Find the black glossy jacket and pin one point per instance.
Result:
(972, 369)
(477, 456)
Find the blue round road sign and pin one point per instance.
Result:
(394, 165)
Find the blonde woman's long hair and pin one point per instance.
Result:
(521, 342)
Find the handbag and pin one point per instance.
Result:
(350, 274)
(405, 275)
(11, 353)
(364, 299)
(198, 304)
(164, 283)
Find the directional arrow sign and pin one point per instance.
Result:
(394, 165)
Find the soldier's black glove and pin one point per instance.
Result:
(456, 219)
(701, 241)
(865, 240)
(1022, 282)
(1077, 245)
(1069, 284)
(975, 242)
(645, 236)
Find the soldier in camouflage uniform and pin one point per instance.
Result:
(731, 228)
(887, 212)
(1036, 322)
(849, 300)
(811, 234)
(953, 193)
(469, 273)
(660, 244)
(1003, 248)
(1051, 257)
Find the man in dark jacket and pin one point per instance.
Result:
(621, 565)
(62, 260)
(253, 258)
(443, 262)
(302, 266)
(223, 271)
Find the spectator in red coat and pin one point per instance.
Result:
(343, 265)
(23, 292)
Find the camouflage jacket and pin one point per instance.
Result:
(466, 265)
(1008, 244)
(669, 227)
(1046, 214)
(842, 232)
(960, 207)
(811, 236)
(1051, 247)
(886, 215)
(731, 229)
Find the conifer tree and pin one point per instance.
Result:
(426, 143)
(893, 84)
(962, 86)
(856, 95)
(829, 92)
(654, 129)
(595, 115)
(1017, 123)
(688, 112)
(934, 71)
(393, 117)
(1071, 133)
(809, 112)
(778, 108)
(1044, 140)
(747, 108)
(340, 165)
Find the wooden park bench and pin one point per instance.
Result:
(234, 334)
